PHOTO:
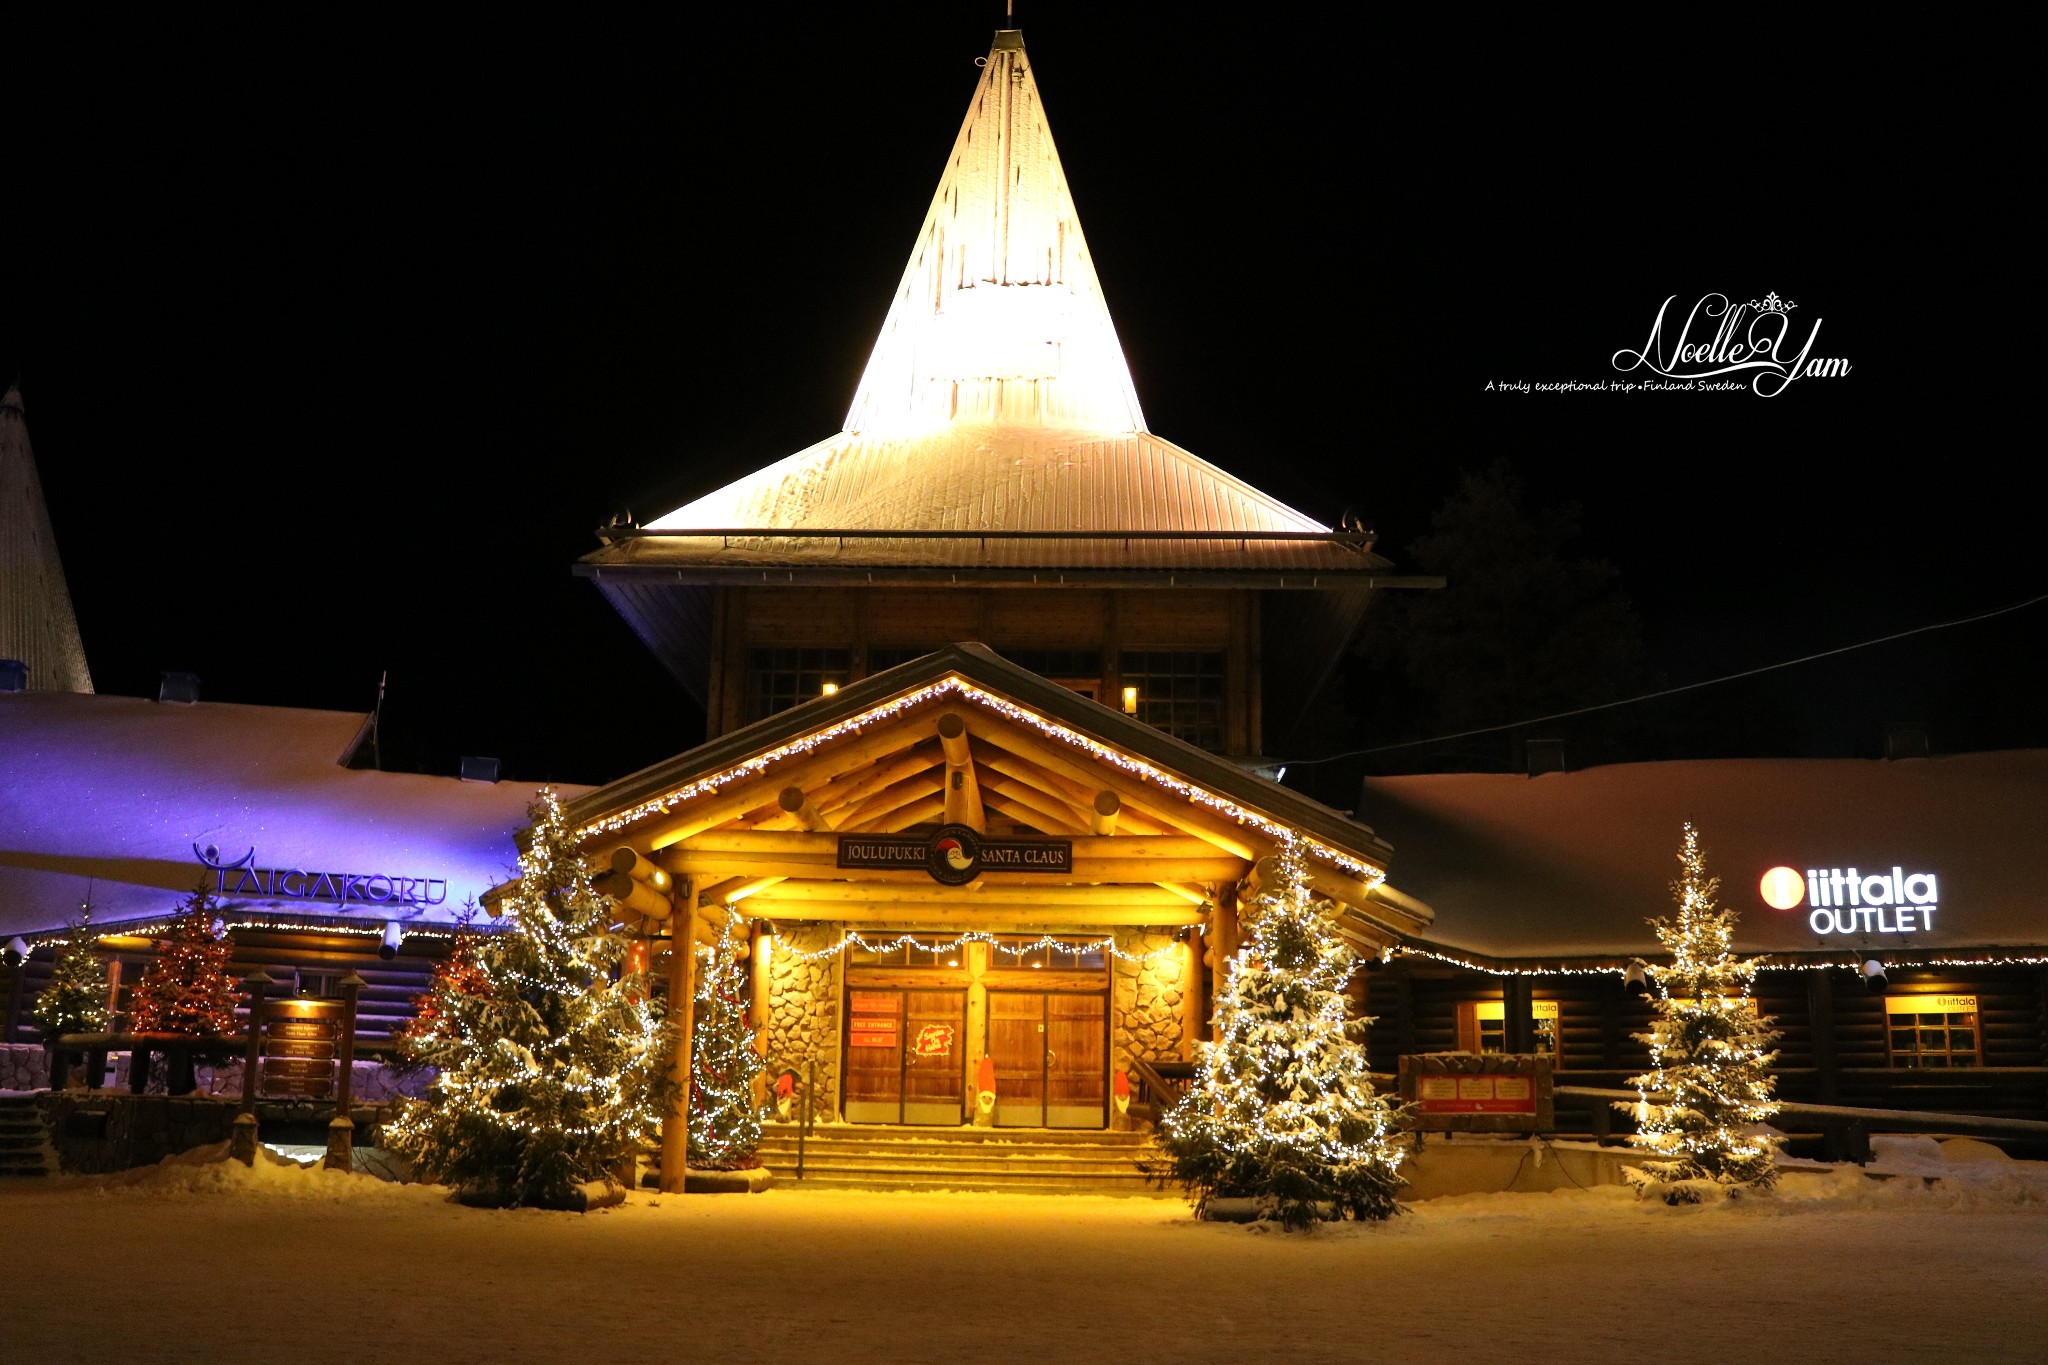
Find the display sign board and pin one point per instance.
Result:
(954, 854)
(1471, 1092)
(241, 877)
(300, 1043)
(1851, 901)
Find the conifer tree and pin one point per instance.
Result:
(1710, 1052)
(553, 1067)
(458, 974)
(75, 1001)
(725, 1126)
(188, 989)
(1282, 1109)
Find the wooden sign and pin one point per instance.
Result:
(300, 1044)
(955, 854)
(1479, 1092)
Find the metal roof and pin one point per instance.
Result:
(37, 626)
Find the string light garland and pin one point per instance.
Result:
(1710, 1052)
(669, 802)
(1761, 964)
(853, 939)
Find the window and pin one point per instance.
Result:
(778, 679)
(1012, 950)
(1483, 1027)
(1058, 664)
(1179, 691)
(1932, 1030)
(904, 956)
(882, 657)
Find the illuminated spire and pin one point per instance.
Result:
(999, 318)
(36, 622)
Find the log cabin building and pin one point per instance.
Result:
(988, 686)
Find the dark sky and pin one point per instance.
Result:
(339, 334)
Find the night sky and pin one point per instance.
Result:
(339, 334)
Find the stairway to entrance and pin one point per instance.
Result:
(24, 1142)
(1018, 1160)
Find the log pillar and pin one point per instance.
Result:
(1194, 1013)
(242, 1147)
(1820, 1022)
(682, 995)
(1518, 1030)
(341, 1129)
(975, 1045)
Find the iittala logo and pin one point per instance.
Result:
(1717, 337)
(1843, 900)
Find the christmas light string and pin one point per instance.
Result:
(670, 802)
(853, 939)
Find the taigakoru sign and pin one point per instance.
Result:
(1848, 901)
(242, 877)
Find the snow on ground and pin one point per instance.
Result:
(206, 1261)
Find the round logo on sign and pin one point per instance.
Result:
(954, 855)
(1782, 888)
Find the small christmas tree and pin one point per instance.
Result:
(553, 1070)
(1710, 1052)
(188, 988)
(458, 974)
(1282, 1109)
(725, 1126)
(75, 1001)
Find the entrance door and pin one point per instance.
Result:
(903, 1060)
(1050, 1051)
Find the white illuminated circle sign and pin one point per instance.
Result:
(1783, 888)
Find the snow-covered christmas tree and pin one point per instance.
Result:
(725, 1124)
(553, 1068)
(1707, 1098)
(75, 1001)
(1282, 1110)
(188, 988)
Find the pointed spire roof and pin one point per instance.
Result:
(996, 399)
(36, 622)
(999, 317)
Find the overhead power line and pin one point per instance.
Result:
(1671, 691)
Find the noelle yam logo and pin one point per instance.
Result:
(1716, 345)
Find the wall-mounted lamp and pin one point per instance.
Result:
(1130, 701)
(829, 690)
(1636, 979)
(1873, 977)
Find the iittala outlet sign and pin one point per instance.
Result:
(1848, 900)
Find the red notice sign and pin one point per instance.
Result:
(1475, 1095)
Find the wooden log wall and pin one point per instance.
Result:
(1597, 1020)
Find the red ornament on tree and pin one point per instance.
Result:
(188, 989)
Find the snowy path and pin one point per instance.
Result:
(1899, 1273)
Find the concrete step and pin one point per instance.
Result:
(820, 1180)
(1034, 1161)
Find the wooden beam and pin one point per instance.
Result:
(682, 992)
(735, 889)
(927, 811)
(1021, 794)
(827, 893)
(963, 792)
(995, 919)
(794, 802)
(1062, 790)
(1027, 816)
(1108, 805)
(642, 868)
(1162, 805)
(714, 810)
(843, 793)
(823, 848)
(635, 896)
(1087, 871)
(889, 800)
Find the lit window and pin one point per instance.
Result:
(1012, 951)
(1932, 1030)
(1482, 1026)
(1179, 691)
(778, 679)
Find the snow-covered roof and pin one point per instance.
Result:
(108, 798)
(1571, 864)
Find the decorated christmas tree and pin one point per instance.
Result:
(553, 1067)
(75, 1001)
(188, 988)
(725, 1125)
(1710, 1052)
(1282, 1110)
(458, 974)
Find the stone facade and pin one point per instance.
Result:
(1147, 998)
(803, 1009)
(24, 1066)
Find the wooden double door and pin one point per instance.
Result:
(904, 1056)
(1051, 1055)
